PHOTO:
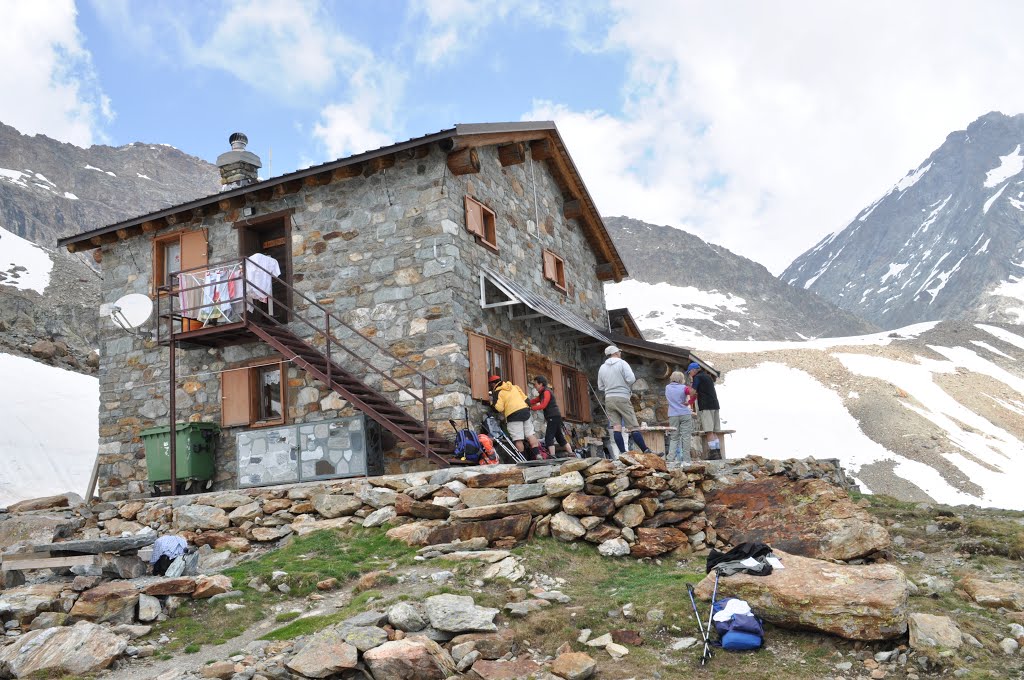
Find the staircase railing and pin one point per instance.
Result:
(245, 290)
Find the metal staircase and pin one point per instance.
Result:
(258, 322)
(363, 397)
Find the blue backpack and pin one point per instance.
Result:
(467, 446)
(741, 632)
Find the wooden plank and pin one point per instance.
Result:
(48, 562)
(92, 480)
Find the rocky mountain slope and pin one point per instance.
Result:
(50, 189)
(933, 412)
(49, 298)
(945, 242)
(683, 288)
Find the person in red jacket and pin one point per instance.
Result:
(545, 401)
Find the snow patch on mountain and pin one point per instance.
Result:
(23, 264)
(1009, 165)
(911, 178)
(989, 202)
(38, 458)
(664, 302)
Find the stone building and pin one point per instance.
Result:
(417, 269)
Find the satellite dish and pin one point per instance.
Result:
(129, 311)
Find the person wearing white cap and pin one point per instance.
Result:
(615, 379)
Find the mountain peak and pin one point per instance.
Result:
(946, 242)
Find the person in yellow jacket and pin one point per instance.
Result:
(510, 401)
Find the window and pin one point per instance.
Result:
(488, 357)
(480, 221)
(177, 252)
(253, 395)
(572, 392)
(554, 270)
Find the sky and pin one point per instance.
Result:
(758, 126)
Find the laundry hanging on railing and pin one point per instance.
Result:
(258, 276)
(210, 294)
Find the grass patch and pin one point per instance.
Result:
(285, 617)
(199, 622)
(311, 624)
(341, 554)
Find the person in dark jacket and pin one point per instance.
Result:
(707, 403)
(545, 401)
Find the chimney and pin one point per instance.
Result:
(238, 167)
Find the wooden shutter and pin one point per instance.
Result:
(550, 272)
(582, 385)
(519, 369)
(558, 387)
(474, 217)
(193, 249)
(236, 397)
(478, 366)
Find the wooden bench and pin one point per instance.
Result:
(33, 560)
(705, 451)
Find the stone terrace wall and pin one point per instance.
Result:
(632, 506)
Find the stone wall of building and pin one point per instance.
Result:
(388, 253)
(529, 218)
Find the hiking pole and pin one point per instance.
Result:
(711, 612)
(700, 624)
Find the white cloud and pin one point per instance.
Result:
(365, 120)
(447, 28)
(281, 46)
(763, 126)
(48, 80)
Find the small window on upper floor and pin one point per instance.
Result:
(554, 270)
(480, 221)
(177, 252)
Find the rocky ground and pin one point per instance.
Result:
(885, 589)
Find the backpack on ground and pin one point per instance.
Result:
(467, 444)
(738, 631)
(488, 456)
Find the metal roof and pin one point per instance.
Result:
(541, 305)
(461, 134)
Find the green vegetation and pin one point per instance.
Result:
(312, 624)
(285, 617)
(343, 555)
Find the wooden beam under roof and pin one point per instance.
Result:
(464, 162)
(573, 209)
(512, 154)
(347, 171)
(491, 138)
(542, 149)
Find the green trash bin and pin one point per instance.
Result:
(195, 443)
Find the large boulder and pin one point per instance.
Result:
(565, 527)
(523, 668)
(45, 503)
(194, 517)
(808, 517)
(111, 601)
(857, 602)
(406, 506)
(515, 526)
(929, 630)
(563, 485)
(651, 542)
(582, 505)
(34, 529)
(331, 505)
(994, 594)
(534, 506)
(413, 658)
(24, 602)
(325, 654)
(65, 651)
(459, 614)
(495, 480)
